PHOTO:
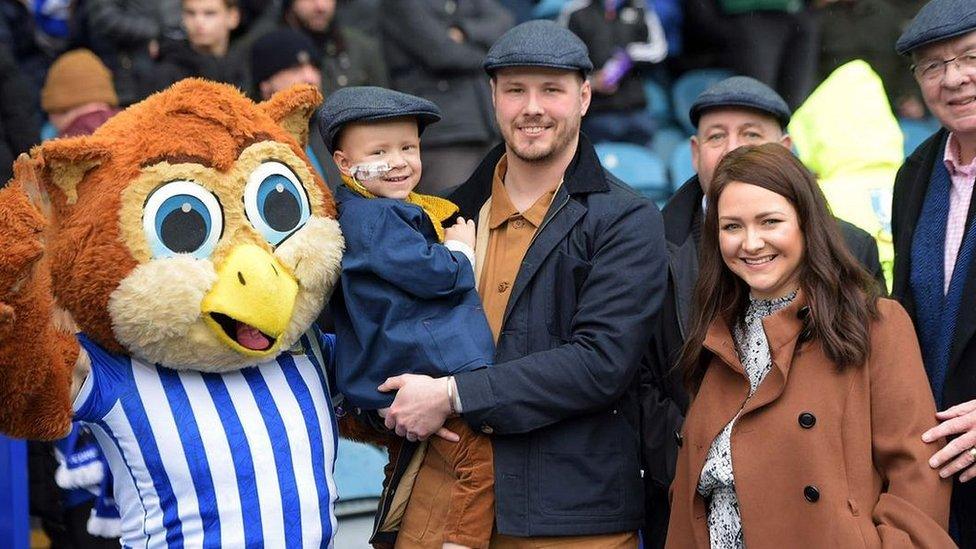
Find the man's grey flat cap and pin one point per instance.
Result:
(741, 91)
(937, 20)
(369, 103)
(539, 44)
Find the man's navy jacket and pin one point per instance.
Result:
(404, 302)
(561, 398)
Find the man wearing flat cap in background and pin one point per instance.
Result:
(734, 112)
(935, 244)
(572, 269)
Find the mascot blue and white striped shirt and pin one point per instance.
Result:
(218, 459)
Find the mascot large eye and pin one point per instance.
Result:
(275, 201)
(181, 217)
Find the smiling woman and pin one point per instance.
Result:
(809, 391)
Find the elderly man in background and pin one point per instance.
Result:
(935, 244)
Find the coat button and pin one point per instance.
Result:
(486, 429)
(803, 313)
(678, 439)
(807, 420)
(811, 494)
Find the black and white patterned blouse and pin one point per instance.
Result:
(716, 483)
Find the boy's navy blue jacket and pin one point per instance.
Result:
(405, 304)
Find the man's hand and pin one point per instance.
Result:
(420, 407)
(958, 455)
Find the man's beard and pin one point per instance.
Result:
(560, 142)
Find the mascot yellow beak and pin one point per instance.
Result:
(252, 302)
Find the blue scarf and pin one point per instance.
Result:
(937, 312)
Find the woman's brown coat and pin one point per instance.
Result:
(821, 457)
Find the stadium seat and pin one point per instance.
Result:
(358, 476)
(547, 9)
(658, 103)
(680, 165)
(686, 90)
(916, 131)
(666, 139)
(637, 166)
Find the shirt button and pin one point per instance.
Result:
(811, 494)
(486, 429)
(342, 80)
(519, 223)
(502, 287)
(807, 420)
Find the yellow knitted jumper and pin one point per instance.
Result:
(437, 209)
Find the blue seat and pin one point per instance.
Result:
(359, 472)
(658, 103)
(636, 166)
(680, 165)
(666, 139)
(687, 88)
(547, 9)
(916, 131)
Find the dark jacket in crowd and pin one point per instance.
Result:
(561, 399)
(405, 303)
(349, 57)
(178, 60)
(664, 400)
(19, 128)
(120, 33)
(424, 61)
(630, 31)
(911, 185)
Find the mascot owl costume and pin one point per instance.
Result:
(158, 282)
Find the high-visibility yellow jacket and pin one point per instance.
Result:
(847, 135)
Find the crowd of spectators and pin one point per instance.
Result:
(434, 49)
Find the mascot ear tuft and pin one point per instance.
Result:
(66, 161)
(291, 109)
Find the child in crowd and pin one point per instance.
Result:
(407, 301)
(206, 51)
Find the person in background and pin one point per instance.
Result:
(434, 49)
(78, 95)
(623, 36)
(281, 59)
(126, 35)
(734, 112)
(347, 56)
(19, 127)
(935, 241)
(808, 390)
(205, 52)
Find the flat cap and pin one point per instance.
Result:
(539, 44)
(937, 20)
(370, 103)
(741, 91)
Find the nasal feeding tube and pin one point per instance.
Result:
(370, 170)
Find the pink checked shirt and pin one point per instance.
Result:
(959, 196)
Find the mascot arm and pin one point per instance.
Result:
(37, 359)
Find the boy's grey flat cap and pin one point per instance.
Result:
(368, 103)
(539, 44)
(741, 91)
(937, 20)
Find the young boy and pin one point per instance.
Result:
(407, 300)
(206, 50)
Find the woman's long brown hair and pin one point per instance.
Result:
(842, 296)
